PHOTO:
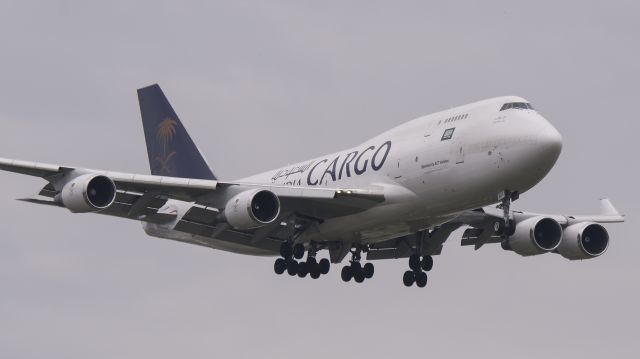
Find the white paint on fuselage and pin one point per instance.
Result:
(428, 180)
(490, 150)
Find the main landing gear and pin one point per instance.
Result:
(356, 270)
(311, 266)
(417, 274)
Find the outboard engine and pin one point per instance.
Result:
(88, 193)
(584, 241)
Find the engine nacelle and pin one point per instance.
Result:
(534, 236)
(88, 193)
(251, 209)
(583, 241)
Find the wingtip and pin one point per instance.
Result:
(607, 208)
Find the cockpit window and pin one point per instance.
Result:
(517, 106)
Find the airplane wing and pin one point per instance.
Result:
(608, 214)
(182, 191)
(144, 190)
(481, 221)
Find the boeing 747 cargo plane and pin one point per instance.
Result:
(400, 194)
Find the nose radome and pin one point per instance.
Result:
(550, 142)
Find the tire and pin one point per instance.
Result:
(325, 265)
(346, 274)
(368, 270)
(280, 266)
(505, 245)
(286, 250)
(408, 278)
(359, 276)
(356, 266)
(303, 269)
(311, 261)
(314, 269)
(292, 267)
(414, 262)
(298, 251)
(427, 263)
(498, 227)
(512, 228)
(421, 279)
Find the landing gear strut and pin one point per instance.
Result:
(356, 270)
(507, 227)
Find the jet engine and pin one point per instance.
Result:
(534, 236)
(88, 193)
(251, 209)
(583, 241)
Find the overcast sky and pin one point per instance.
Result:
(260, 84)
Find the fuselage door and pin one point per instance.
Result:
(459, 151)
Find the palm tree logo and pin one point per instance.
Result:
(164, 134)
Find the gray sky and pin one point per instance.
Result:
(261, 84)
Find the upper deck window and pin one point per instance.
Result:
(517, 106)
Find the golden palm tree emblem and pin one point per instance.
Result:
(165, 133)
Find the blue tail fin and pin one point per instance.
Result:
(171, 151)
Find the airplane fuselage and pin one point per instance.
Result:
(431, 168)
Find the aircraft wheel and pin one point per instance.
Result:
(358, 276)
(427, 263)
(303, 269)
(408, 278)
(314, 268)
(368, 270)
(421, 279)
(312, 261)
(512, 228)
(292, 267)
(286, 250)
(347, 273)
(498, 227)
(280, 266)
(325, 265)
(505, 245)
(298, 251)
(356, 267)
(414, 262)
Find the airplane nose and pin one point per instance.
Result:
(549, 143)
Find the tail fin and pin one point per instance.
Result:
(171, 151)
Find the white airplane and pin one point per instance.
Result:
(398, 195)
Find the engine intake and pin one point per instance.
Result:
(535, 236)
(584, 241)
(88, 193)
(251, 209)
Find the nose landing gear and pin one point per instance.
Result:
(506, 227)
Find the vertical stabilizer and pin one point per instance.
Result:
(170, 148)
